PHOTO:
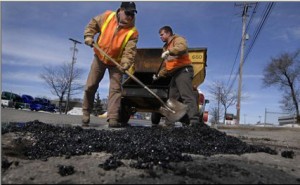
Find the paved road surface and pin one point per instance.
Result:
(13, 115)
(253, 168)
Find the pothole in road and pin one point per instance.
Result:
(147, 146)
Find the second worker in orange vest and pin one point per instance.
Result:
(178, 65)
(118, 38)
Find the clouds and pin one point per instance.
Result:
(295, 32)
(32, 48)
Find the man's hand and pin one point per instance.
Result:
(165, 54)
(161, 74)
(89, 41)
(155, 77)
(123, 67)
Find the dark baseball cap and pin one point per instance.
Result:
(129, 6)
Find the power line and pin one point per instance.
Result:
(266, 13)
(260, 26)
(239, 47)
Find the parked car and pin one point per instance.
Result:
(5, 102)
(42, 104)
(27, 98)
(14, 100)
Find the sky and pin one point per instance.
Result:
(36, 34)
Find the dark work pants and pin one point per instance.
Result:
(182, 89)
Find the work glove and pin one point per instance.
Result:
(155, 77)
(165, 54)
(162, 74)
(123, 67)
(89, 41)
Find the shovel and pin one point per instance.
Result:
(173, 110)
(156, 74)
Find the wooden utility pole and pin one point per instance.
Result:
(71, 75)
(238, 106)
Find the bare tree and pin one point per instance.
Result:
(58, 78)
(283, 72)
(215, 113)
(98, 107)
(224, 97)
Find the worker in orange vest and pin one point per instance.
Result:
(118, 37)
(178, 65)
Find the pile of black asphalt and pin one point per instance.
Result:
(146, 146)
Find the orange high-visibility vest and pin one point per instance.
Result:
(177, 61)
(112, 41)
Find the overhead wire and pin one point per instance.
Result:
(259, 27)
(264, 18)
(239, 47)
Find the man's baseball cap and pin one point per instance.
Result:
(129, 6)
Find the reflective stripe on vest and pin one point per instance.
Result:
(130, 33)
(106, 23)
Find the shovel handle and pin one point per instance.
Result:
(161, 63)
(133, 77)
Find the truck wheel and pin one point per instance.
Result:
(155, 118)
(185, 120)
(201, 120)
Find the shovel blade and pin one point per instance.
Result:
(178, 110)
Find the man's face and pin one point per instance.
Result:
(125, 17)
(164, 36)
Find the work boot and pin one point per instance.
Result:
(85, 120)
(114, 123)
(168, 124)
(194, 123)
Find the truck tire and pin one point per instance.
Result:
(155, 118)
(201, 121)
(185, 120)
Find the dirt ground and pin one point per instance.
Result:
(252, 168)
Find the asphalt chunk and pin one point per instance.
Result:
(147, 146)
(65, 170)
(288, 154)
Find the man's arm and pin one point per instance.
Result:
(94, 26)
(180, 47)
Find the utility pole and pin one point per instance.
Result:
(265, 117)
(238, 106)
(71, 75)
(219, 97)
